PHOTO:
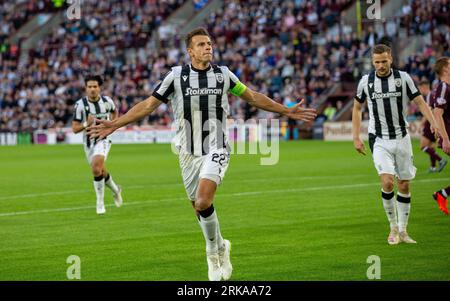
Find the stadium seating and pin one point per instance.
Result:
(278, 48)
(41, 94)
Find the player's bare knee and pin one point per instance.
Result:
(403, 186)
(388, 184)
(97, 169)
(202, 203)
(97, 172)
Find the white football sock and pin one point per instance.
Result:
(209, 228)
(220, 242)
(111, 185)
(100, 190)
(389, 208)
(403, 210)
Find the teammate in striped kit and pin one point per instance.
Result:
(441, 109)
(388, 92)
(198, 93)
(87, 109)
(428, 139)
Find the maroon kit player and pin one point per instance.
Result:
(440, 102)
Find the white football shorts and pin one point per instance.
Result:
(100, 148)
(394, 157)
(211, 166)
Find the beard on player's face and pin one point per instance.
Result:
(93, 94)
(384, 69)
(382, 63)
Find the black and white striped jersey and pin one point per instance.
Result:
(388, 99)
(200, 105)
(101, 109)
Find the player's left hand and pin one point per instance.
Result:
(446, 146)
(433, 131)
(299, 113)
(359, 146)
(100, 129)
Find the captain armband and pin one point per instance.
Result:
(238, 89)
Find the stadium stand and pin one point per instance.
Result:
(282, 48)
(41, 94)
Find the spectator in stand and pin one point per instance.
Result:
(111, 39)
(330, 111)
(199, 4)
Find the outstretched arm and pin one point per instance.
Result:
(356, 127)
(263, 102)
(104, 128)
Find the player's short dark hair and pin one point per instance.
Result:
(440, 64)
(381, 48)
(92, 77)
(196, 32)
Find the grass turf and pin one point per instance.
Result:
(316, 215)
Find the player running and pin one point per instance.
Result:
(441, 109)
(198, 93)
(96, 106)
(428, 139)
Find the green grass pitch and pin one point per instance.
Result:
(316, 215)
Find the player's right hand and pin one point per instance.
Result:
(298, 113)
(100, 129)
(359, 146)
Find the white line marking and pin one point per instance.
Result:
(33, 195)
(316, 188)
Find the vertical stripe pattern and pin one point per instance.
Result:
(388, 109)
(200, 105)
(401, 119)
(187, 113)
(101, 109)
(220, 116)
(204, 111)
(387, 101)
(371, 87)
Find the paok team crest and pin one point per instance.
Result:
(219, 78)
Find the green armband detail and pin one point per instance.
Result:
(238, 89)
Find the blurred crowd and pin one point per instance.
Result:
(13, 15)
(270, 45)
(276, 47)
(422, 16)
(41, 94)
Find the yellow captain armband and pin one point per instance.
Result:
(238, 89)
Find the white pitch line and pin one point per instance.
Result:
(33, 195)
(315, 188)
